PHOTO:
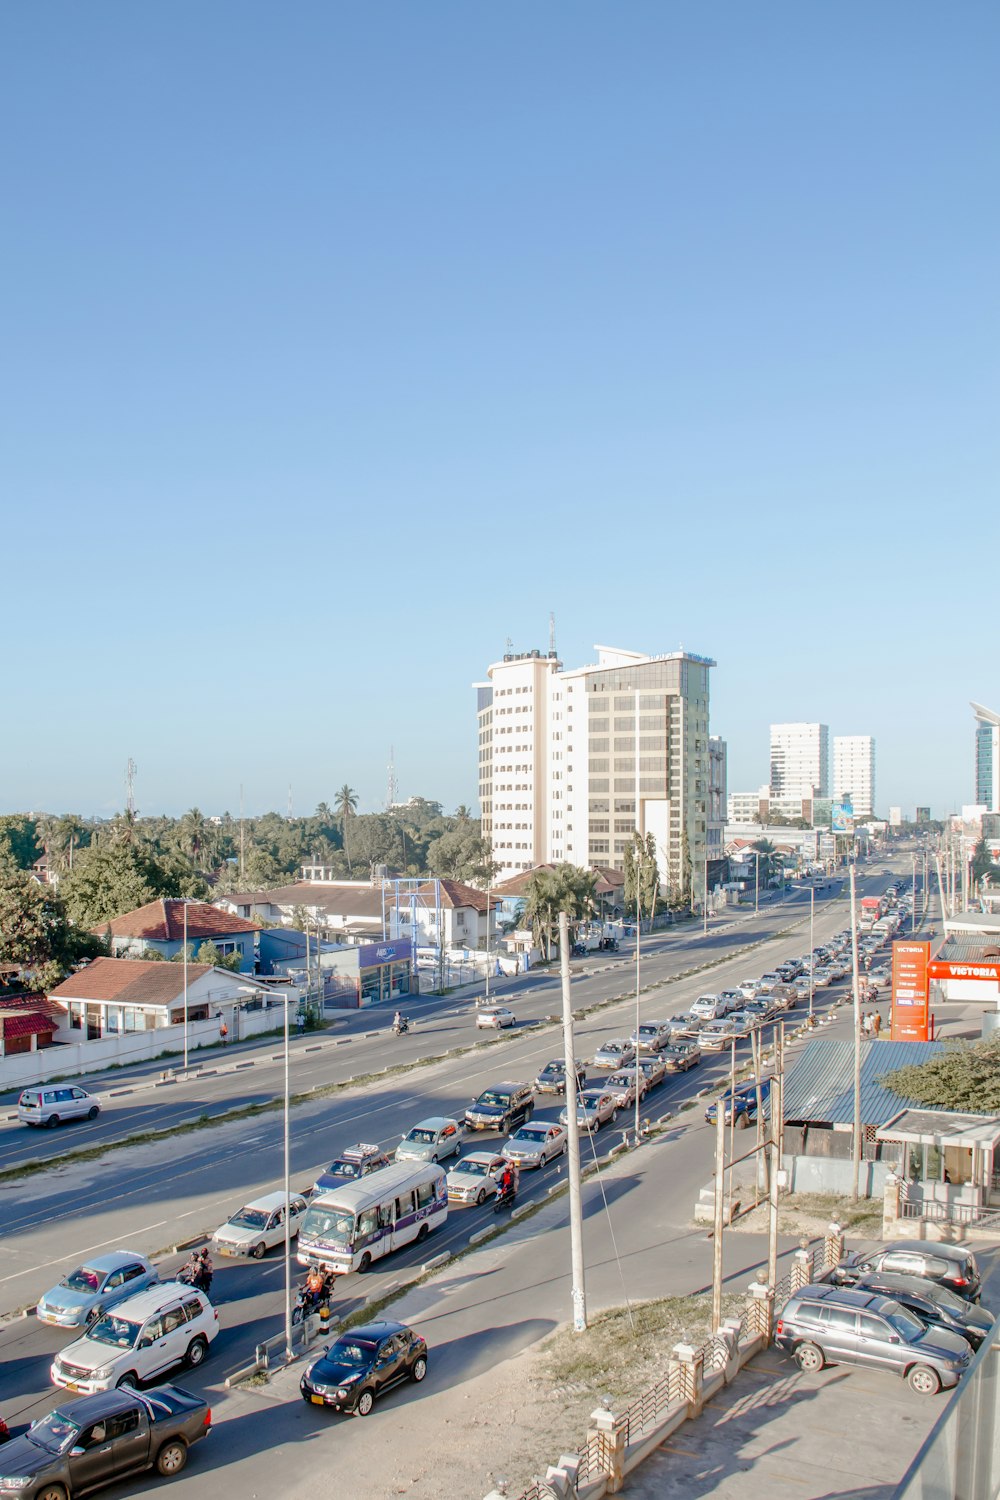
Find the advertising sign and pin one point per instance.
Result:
(370, 955)
(809, 845)
(843, 817)
(910, 992)
(827, 846)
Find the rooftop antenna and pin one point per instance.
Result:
(392, 789)
(289, 802)
(130, 771)
(552, 633)
(508, 645)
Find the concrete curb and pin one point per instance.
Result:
(522, 1208)
(198, 1239)
(435, 1261)
(480, 1235)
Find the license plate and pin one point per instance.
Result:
(71, 1385)
(317, 1400)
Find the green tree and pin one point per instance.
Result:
(965, 1076)
(197, 839)
(642, 875)
(109, 879)
(18, 836)
(346, 803)
(34, 930)
(208, 953)
(462, 854)
(983, 866)
(565, 888)
(377, 839)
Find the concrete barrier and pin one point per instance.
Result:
(436, 1260)
(480, 1234)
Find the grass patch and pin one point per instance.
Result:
(812, 1213)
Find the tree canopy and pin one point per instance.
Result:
(965, 1076)
(34, 930)
(565, 888)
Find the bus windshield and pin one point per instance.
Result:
(331, 1225)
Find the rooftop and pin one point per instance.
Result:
(819, 1089)
(131, 981)
(163, 921)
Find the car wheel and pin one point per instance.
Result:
(365, 1264)
(809, 1358)
(197, 1349)
(52, 1121)
(171, 1458)
(481, 1197)
(93, 1112)
(614, 1116)
(924, 1380)
(419, 1368)
(51, 1492)
(129, 1381)
(257, 1251)
(423, 1232)
(365, 1403)
(94, 1314)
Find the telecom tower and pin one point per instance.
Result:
(130, 771)
(392, 789)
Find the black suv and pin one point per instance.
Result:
(360, 1365)
(824, 1324)
(503, 1108)
(933, 1304)
(552, 1078)
(952, 1266)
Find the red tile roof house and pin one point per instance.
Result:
(28, 1023)
(119, 997)
(161, 926)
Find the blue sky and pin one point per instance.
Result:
(343, 343)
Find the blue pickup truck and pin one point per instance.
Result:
(740, 1104)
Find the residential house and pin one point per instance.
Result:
(162, 925)
(112, 996)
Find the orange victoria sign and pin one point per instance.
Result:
(910, 992)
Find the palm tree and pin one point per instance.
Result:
(194, 835)
(548, 892)
(462, 813)
(346, 802)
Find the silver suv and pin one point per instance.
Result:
(821, 1325)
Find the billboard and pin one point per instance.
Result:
(370, 955)
(842, 815)
(910, 992)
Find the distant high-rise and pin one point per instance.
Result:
(800, 761)
(854, 772)
(987, 758)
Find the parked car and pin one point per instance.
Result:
(535, 1144)
(432, 1140)
(651, 1035)
(785, 996)
(740, 1106)
(952, 1266)
(622, 1085)
(140, 1340)
(681, 1055)
(495, 1018)
(552, 1078)
(259, 1225)
(614, 1054)
(502, 1108)
(363, 1364)
(654, 1068)
(822, 977)
(82, 1296)
(474, 1177)
(594, 1108)
(101, 1439)
(51, 1105)
(356, 1162)
(716, 1035)
(823, 1324)
(932, 1304)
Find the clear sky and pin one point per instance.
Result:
(341, 343)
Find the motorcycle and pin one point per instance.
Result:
(400, 1028)
(505, 1198)
(196, 1275)
(308, 1302)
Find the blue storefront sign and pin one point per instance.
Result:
(370, 955)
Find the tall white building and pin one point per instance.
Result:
(854, 771)
(987, 758)
(573, 763)
(800, 761)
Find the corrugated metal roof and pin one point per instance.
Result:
(965, 948)
(820, 1087)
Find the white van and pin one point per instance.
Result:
(140, 1339)
(350, 1226)
(260, 1225)
(50, 1104)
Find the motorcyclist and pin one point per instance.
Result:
(508, 1183)
(317, 1285)
(399, 1023)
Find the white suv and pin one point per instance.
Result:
(140, 1340)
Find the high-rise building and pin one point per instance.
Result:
(854, 772)
(987, 758)
(800, 761)
(717, 797)
(573, 763)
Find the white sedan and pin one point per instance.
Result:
(495, 1018)
(475, 1177)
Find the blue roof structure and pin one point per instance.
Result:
(819, 1089)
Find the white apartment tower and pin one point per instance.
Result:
(800, 761)
(572, 763)
(854, 772)
(987, 758)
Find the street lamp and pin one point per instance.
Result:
(288, 1190)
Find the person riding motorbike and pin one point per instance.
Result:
(399, 1024)
(507, 1186)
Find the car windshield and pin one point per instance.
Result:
(905, 1323)
(941, 1295)
(591, 1101)
(474, 1168)
(342, 1168)
(329, 1224)
(492, 1097)
(351, 1352)
(531, 1133)
(118, 1332)
(648, 1030)
(250, 1218)
(83, 1280)
(55, 1433)
(612, 1047)
(552, 1070)
(422, 1136)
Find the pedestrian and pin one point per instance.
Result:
(224, 1033)
(866, 1023)
(876, 1022)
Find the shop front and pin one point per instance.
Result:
(385, 972)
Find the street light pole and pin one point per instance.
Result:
(756, 882)
(705, 902)
(288, 1204)
(812, 944)
(185, 985)
(489, 912)
(572, 1136)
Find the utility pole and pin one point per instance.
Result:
(705, 903)
(572, 1136)
(720, 1173)
(777, 1132)
(640, 872)
(858, 1127)
(812, 944)
(756, 882)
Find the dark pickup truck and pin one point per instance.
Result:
(100, 1439)
(741, 1107)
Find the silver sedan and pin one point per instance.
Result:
(535, 1144)
(594, 1108)
(614, 1054)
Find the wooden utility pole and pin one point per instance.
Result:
(720, 1188)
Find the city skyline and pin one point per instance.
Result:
(678, 323)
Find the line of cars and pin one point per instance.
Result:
(910, 1307)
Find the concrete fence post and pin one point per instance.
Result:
(761, 1310)
(691, 1363)
(803, 1266)
(610, 1431)
(892, 1204)
(833, 1245)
